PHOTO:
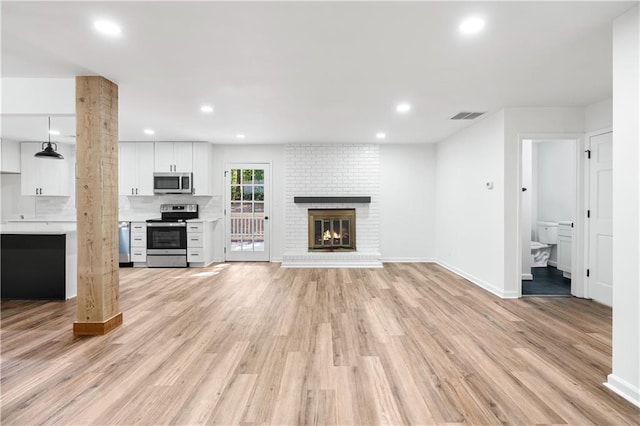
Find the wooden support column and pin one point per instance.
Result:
(98, 310)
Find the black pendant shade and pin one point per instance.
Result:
(48, 150)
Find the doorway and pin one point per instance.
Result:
(548, 215)
(247, 188)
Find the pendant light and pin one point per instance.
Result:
(48, 151)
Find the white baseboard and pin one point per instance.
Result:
(332, 260)
(407, 260)
(624, 389)
(480, 283)
(552, 263)
(527, 277)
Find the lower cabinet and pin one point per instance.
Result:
(565, 235)
(138, 242)
(200, 243)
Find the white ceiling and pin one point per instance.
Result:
(283, 72)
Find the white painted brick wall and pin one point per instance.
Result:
(332, 170)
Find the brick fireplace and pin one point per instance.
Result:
(336, 177)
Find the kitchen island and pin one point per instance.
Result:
(38, 260)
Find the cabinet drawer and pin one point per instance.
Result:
(195, 255)
(138, 240)
(138, 227)
(194, 239)
(138, 254)
(195, 227)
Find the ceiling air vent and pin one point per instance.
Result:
(466, 115)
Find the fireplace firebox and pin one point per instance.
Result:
(332, 229)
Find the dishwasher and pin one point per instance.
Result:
(124, 243)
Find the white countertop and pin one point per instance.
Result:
(38, 228)
(565, 222)
(43, 220)
(205, 219)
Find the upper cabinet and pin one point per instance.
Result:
(173, 157)
(136, 168)
(46, 177)
(9, 156)
(202, 168)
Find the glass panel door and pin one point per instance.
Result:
(247, 212)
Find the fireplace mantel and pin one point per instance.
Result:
(343, 200)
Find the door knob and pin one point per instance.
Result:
(266, 218)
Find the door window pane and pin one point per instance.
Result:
(247, 192)
(259, 192)
(259, 176)
(235, 176)
(247, 176)
(235, 193)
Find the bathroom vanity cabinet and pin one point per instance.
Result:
(565, 236)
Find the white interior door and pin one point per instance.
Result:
(247, 212)
(600, 281)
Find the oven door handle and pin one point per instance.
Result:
(166, 224)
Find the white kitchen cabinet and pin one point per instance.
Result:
(138, 242)
(565, 236)
(202, 168)
(136, 168)
(173, 157)
(200, 243)
(9, 156)
(44, 176)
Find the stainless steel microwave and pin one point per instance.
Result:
(173, 183)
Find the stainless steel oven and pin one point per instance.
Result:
(167, 236)
(166, 244)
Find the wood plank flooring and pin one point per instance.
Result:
(252, 343)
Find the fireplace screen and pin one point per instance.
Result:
(332, 229)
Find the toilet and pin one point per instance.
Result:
(541, 249)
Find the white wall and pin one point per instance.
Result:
(43, 96)
(408, 197)
(556, 180)
(598, 116)
(625, 378)
(469, 217)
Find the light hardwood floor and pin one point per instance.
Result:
(257, 344)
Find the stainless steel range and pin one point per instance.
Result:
(167, 236)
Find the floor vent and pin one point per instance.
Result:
(466, 115)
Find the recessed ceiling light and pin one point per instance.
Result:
(240, 136)
(471, 26)
(107, 27)
(403, 108)
(149, 132)
(381, 135)
(54, 132)
(206, 108)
